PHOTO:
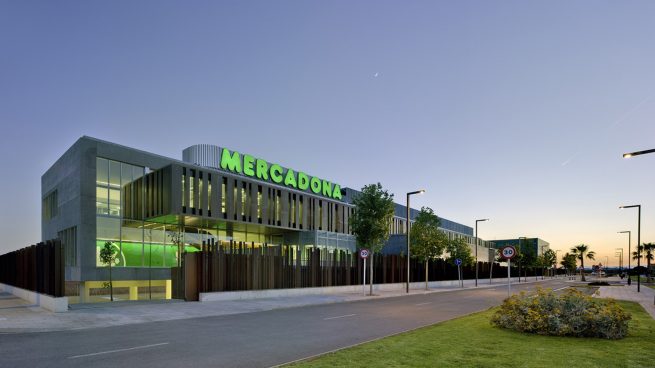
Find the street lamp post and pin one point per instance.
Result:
(638, 206)
(476, 249)
(619, 253)
(408, 254)
(629, 235)
(637, 153)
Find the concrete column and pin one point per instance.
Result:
(134, 293)
(169, 288)
(84, 292)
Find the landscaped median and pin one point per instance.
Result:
(472, 341)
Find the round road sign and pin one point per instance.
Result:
(508, 252)
(458, 262)
(364, 253)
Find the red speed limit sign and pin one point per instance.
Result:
(508, 252)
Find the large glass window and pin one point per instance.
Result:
(192, 198)
(223, 194)
(114, 174)
(125, 236)
(102, 171)
(114, 202)
(111, 176)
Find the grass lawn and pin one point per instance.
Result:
(471, 341)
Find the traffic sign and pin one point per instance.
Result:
(458, 262)
(364, 253)
(508, 252)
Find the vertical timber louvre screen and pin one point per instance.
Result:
(238, 267)
(38, 268)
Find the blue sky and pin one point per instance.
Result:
(512, 110)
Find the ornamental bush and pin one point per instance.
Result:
(569, 314)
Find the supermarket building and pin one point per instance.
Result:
(152, 207)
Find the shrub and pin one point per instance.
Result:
(569, 314)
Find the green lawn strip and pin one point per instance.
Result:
(471, 341)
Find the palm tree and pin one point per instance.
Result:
(580, 251)
(649, 248)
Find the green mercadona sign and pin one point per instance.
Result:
(257, 168)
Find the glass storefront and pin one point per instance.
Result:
(148, 244)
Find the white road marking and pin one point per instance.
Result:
(347, 315)
(426, 303)
(118, 350)
(562, 288)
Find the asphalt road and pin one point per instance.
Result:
(260, 339)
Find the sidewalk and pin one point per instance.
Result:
(646, 297)
(16, 316)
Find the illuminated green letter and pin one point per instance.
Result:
(248, 167)
(315, 183)
(290, 179)
(276, 173)
(262, 169)
(231, 162)
(327, 188)
(336, 194)
(303, 181)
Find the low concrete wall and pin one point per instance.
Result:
(280, 293)
(44, 301)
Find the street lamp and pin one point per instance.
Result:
(629, 235)
(619, 253)
(628, 155)
(409, 194)
(476, 249)
(638, 242)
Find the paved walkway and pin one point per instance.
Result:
(646, 297)
(21, 317)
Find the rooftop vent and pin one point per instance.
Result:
(206, 155)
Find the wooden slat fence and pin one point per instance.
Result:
(38, 268)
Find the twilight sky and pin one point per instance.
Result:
(512, 110)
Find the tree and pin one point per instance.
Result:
(427, 241)
(458, 248)
(177, 238)
(525, 257)
(569, 262)
(581, 251)
(369, 223)
(645, 251)
(550, 258)
(108, 257)
(650, 249)
(541, 263)
(493, 255)
(637, 254)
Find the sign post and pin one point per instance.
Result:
(508, 253)
(458, 262)
(364, 253)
